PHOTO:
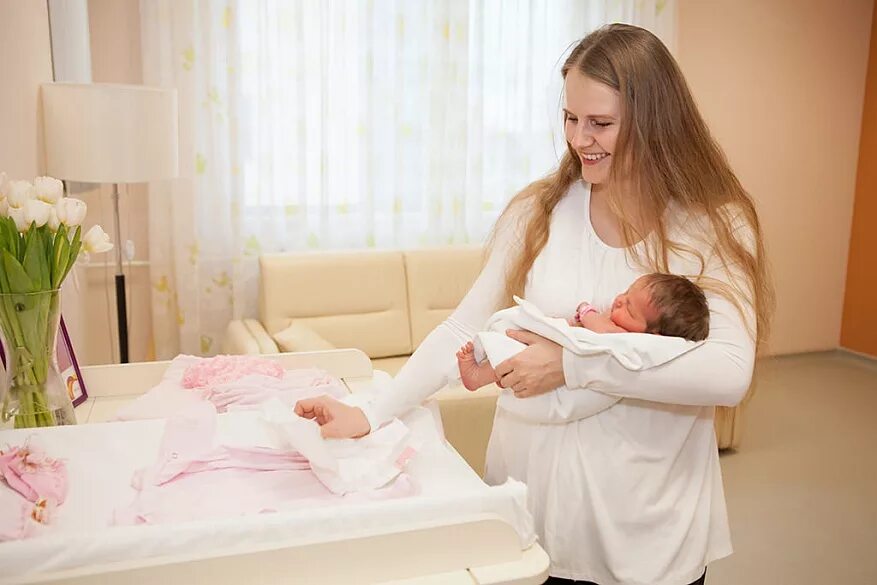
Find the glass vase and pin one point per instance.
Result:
(33, 393)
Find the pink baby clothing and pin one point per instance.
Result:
(16, 520)
(33, 474)
(229, 382)
(193, 480)
(228, 368)
(38, 486)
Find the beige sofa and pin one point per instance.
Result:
(384, 303)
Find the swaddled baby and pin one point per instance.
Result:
(660, 304)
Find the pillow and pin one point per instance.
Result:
(300, 337)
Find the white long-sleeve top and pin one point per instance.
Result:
(633, 494)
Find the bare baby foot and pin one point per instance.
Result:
(473, 374)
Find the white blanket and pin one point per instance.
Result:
(634, 351)
(343, 465)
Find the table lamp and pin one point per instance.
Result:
(111, 133)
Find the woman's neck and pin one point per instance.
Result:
(606, 221)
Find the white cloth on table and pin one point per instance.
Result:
(640, 476)
(101, 459)
(344, 465)
(633, 351)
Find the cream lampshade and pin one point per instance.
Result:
(111, 133)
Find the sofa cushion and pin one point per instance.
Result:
(351, 299)
(438, 279)
(300, 337)
(391, 365)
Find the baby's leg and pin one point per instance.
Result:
(473, 374)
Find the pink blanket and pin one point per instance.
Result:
(228, 382)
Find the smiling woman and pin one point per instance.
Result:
(642, 188)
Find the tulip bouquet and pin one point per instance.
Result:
(40, 240)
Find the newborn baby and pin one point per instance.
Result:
(660, 304)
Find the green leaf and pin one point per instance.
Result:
(77, 235)
(28, 238)
(5, 239)
(59, 257)
(4, 279)
(48, 253)
(32, 257)
(75, 245)
(63, 260)
(45, 249)
(15, 237)
(19, 282)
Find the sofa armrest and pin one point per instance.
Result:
(248, 337)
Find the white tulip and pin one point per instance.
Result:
(18, 216)
(71, 211)
(96, 241)
(38, 212)
(48, 189)
(54, 223)
(4, 185)
(20, 192)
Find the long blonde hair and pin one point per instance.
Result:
(666, 154)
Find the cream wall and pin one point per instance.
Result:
(25, 62)
(781, 83)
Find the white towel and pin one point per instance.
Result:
(634, 351)
(343, 465)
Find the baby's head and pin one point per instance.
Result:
(663, 304)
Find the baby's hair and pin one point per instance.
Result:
(681, 305)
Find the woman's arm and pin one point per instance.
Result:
(426, 371)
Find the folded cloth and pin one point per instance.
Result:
(634, 351)
(193, 479)
(344, 465)
(255, 384)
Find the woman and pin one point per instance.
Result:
(632, 495)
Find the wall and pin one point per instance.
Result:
(781, 84)
(859, 330)
(25, 62)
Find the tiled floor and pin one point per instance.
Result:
(802, 487)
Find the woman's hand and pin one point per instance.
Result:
(536, 370)
(336, 419)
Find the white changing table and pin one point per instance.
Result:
(471, 550)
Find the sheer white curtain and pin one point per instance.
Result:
(346, 124)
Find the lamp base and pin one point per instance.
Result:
(122, 317)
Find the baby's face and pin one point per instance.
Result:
(632, 310)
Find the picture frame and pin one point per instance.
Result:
(68, 366)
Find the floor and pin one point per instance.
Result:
(802, 487)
